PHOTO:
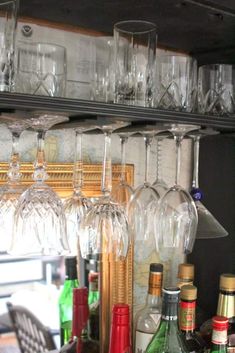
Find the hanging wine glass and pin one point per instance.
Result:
(144, 202)
(176, 224)
(13, 188)
(159, 184)
(76, 206)
(40, 225)
(104, 230)
(208, 227)
(122, 192)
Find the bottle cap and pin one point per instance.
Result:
(227, 282)
(220, 323)
(93, 276)
(120, 314)
(156, 267)
(186, 271)
(171, 294)
(71, 267)
(188, 292)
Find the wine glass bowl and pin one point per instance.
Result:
(39, 223)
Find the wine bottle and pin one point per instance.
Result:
(66, 299)
(120, 338)
(94, 305)
(168, 338)
(93, 279)
(185, 274)
(219, 334)
(80, 341)
(226, 306)
(148, 318)
(193, 341)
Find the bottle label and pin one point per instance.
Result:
(219, 337)
(94, 286)
(142, 340)
(187, 315)
(156, 318)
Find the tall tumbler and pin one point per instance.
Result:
(216, 85)
(134, 61)
(8, 21)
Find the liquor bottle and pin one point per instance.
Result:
(226, 306)
(80, 341)
(193, 341)
(66, 299)
(148, 318)
(94, 305)
(168, 337)
(219, 334)
(185, 274)
(120, 338)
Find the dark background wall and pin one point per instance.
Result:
(216, 256)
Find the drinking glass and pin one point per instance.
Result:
(208, 226)
(122, 192)
(134, 60)
(176, 221)
(104, 230)
(76, 206)
(13, 188)
(143, 203)
(216, 89)
(39, 222)
(103, 83)
(176, 82)
(41, 69)
(8, 21)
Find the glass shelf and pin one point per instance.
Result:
(83, 109)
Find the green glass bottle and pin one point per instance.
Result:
(219, 334)
(94, 305)
(168, 338)
(66, 299)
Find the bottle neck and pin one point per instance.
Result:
(169, 311)
(153, 300)
(155, 284)
(187, 315)
(71, 283)
(184, 281)
(219, 341)
(226, 304)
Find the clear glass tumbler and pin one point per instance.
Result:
(41, 69)
(8, 22)
(134, 60)
(176, 82)
(216, 89)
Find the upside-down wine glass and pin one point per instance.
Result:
(76, 206)
(104, 230)
(159, 184)
(122, 192)
(40, 225)
(143, 203)
(208, 226)
(13, 188)
(176, 221)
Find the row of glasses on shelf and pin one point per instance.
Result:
(35, 221)
(124, 70)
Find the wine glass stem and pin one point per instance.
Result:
(158, 157)
(40, 173)
(78, 164)
(14, 165)
(107, 165)
(196, 140)
(123, 158)
(178, 140)
(148, 141)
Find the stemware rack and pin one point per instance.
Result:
(78, 109)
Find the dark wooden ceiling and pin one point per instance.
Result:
(204, 28)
